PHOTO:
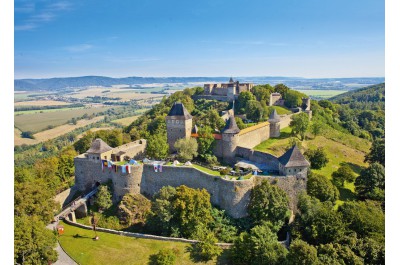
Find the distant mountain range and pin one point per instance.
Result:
(293, 82)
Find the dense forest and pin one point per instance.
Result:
(322, 232)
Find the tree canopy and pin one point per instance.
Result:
(322, 188)
(187, 148)
(299, 124)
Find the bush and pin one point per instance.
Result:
(317, 157)
(164, 257)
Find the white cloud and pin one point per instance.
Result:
(27, 26)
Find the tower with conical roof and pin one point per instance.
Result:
(179, 124)
(274, 125)
(230, 139)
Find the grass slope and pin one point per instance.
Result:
(116, 249)
(341, 149)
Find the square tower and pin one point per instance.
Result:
(179, 124)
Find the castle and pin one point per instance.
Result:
(101, 163)
(225, 91)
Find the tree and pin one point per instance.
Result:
(371, 182)
(317, 157)
(34, 199)
(365, 218)
(301, 253)
(377, 152)
(223, 226)
(240, 123)
(293, 99)
(164, 257)
(281, 89)
(33, 242)
(103, 198)
(205, 140)
(262, 92)
(321, 188)
(344, 173)
(243, 98)
(213, 120)
(133, 209)
(336, 254)
(83, 144)
(259, 246)
(316, 128)
(157, 146)
(268, 203)
(187, 148)
(293, 141)
(206, 248)
(318, 222)
(27, 134)
(254, 111)
(161, 221)
(300, 124)
(191, 208)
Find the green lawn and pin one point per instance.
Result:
(281, 110)
(319, 93)
(116, 249)
(207, 170)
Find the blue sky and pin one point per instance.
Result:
(307, 38)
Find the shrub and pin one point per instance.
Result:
(165, 257)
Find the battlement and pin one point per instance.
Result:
(253, 128)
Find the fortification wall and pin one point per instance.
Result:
(285, 120)
(134, 149)
(251, 137)
(216, 97)
(233, 196)
(270, 162)
(88, 173)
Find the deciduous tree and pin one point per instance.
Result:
(317, 157)
(187, 148)
(321, 188)
(300, 124)
(344, 173)
(371, 182)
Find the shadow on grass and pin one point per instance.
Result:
(356, 168)
(152, 260)
(76, 236)
(346, 194)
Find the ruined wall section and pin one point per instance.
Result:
(270, 162)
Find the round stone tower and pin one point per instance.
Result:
(275, 125)
(230, 140)
(179, 124)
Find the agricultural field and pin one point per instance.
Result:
(40, 121)
(52, 133)
(28, 95)
(41, 103)
(322, 94)
(125, 94)
(117, 249)
(126, 121)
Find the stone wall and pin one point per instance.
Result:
(250, 137)
(285, 120)
(64, 197)
(269, 161)
(210, 97)
(88, 173)
(134, 149)
(231, 195)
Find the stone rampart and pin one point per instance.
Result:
(88, 173)
(231, 195)
(252, 136)
(269, 161)
(285, 120)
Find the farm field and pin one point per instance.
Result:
(117, 249)
(41, 103)
(44, 110)
(40, 121)
(52, 133)
(125, 94)
(324, 94)
(28, 95)
(126, 121)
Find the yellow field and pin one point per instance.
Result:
(126, 121)
(52, 133)
(124, 94)
(41, 103)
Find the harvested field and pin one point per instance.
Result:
(52, 133)
(41, 103)
(126, 121)
(124, 94)
(40, 121)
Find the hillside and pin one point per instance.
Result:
(372, 94)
